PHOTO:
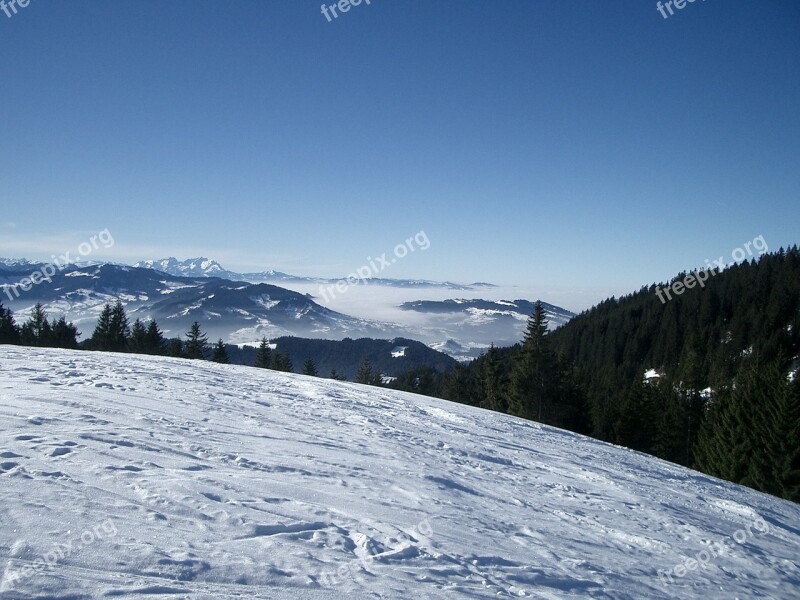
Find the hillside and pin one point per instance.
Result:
(390, 357)
(146, 476)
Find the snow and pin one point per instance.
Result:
(651, 374)
(142, 476)
(399, 351)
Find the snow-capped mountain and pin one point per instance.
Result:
(204, 267)
(242, 308)
(234, 311)
(502, 322)
(125, 476)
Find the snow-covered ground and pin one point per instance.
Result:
(127, 476)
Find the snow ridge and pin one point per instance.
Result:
(220, 481)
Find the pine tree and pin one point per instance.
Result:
(36, 331)
(365, 374)
(789, 466)
(119, 331)
(9, 332)
(335, 375)
(775, 421)
(281, 362)
(534, 375)
(174, 348)
(154, 341)
(220, 354)
(309, 368)
(264, 355)
(196, 343)
(494, 397)
(137, 343)
(728, 443)
(64, 335)
(102, 337)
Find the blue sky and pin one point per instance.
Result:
(536, 142)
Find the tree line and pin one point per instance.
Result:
(722, 394)
(114, 333)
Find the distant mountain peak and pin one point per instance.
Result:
(191, 267)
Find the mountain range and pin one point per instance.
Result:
(241, 308)
(205, 267)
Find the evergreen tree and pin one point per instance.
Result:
(744, 436)
(175, 348)
(365, 374)
(119, 330)
(137, 343)
(534, 376)
(64, 335)
(309, 368)
(196, 343)
(264, 355)
(220, 354)
(36, 331)
(494, 394)
(336, 376)
(9, 332)
(281, 362)
(154, 340)
(455, 386)
(789, 466)
(102, 337)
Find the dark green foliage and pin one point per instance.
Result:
(154, 340)
(36, 331)
(345, 355)
(119, 329)
(137, 343)
(101, 338)
(698, 339)
(175, 348)
(751, 433)
(220, 354)
(493, 384)
(9, 332)
(309, 368)
(146, 340)
(264, 356)
(64, 334)
(112, 331)
(281, 362)
(366, 374)
(336, 376)
(196, 345)
(534, 378)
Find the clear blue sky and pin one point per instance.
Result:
(560, 142)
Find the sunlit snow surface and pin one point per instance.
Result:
(179, 479)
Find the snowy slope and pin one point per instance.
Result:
(151, 477)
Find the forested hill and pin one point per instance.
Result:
(707, 378)
(698, 338)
